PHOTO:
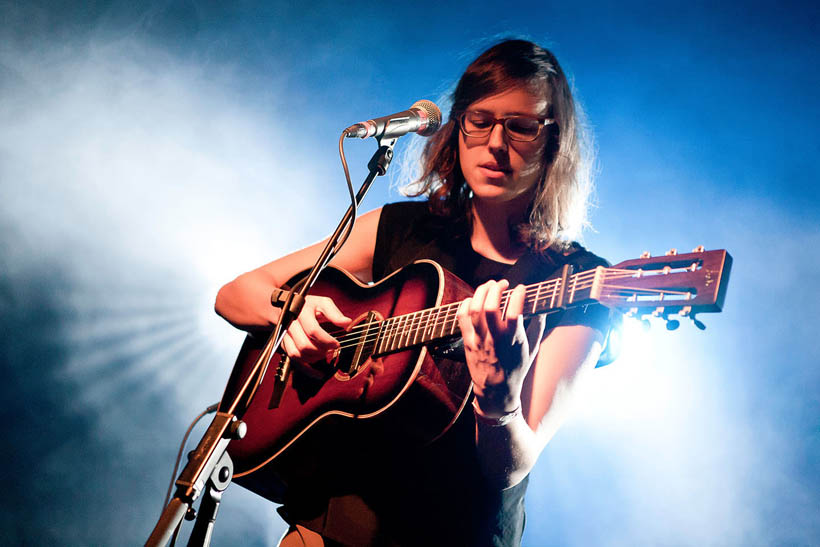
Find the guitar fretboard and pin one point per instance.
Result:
(632, 288)
(404, 331)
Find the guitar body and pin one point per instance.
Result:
(327, 420)
(383, 391)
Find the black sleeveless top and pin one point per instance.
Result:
(436, 495)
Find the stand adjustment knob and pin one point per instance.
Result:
(238, 430)
(224, 474)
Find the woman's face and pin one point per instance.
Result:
(496, 168)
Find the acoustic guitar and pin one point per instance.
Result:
(397, 377)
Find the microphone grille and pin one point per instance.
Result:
(433, 116)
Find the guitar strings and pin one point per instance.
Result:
(416, 323)
(407, 317)
(443, 317)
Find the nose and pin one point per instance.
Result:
(497, 138)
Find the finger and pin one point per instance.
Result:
(290, 347)
(297, 358)
(313, 330)
(492, 306)
(515, 318)
(329, 311)
(477, 314)
(303, 344)
(465, 324)
(515, 303)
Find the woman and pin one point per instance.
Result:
(505, 180)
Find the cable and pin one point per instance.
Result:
(208, 410)
(354, 206)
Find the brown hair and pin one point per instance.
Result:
(558, 210)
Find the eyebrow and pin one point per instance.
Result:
(506, 114)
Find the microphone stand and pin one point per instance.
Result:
(209, 466)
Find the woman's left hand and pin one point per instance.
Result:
(498, 347)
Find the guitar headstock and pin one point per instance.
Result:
(683, 284)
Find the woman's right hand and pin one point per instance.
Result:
(306, 341)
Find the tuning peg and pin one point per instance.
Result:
(672, 324)
(671, 252)
(698, 323)
(646, 254)
(698, 249)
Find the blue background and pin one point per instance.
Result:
(151, 152)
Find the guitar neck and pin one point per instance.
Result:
(684, 284)
(404, 331)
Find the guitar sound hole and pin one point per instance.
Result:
(358, 345)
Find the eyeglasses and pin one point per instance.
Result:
(518, 128)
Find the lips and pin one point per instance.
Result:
(495, 167)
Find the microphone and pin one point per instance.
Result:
(424, 118)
